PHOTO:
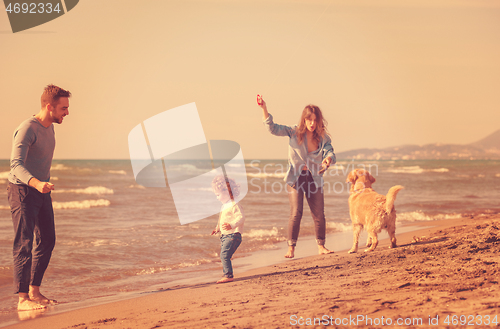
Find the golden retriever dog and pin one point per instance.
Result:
(370, 210)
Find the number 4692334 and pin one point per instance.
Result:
(471, 320)
(32, 8)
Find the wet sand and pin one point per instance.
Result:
(439, 277)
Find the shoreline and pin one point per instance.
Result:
(270, 290)
(255, 261)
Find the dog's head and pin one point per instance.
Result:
(360, 179)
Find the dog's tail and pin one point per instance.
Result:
(391, 197)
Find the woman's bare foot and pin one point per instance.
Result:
(36, 296)
(290, 253)
(26, 304)
(225, 280)
(323, 251)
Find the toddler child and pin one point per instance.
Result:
(230, 224)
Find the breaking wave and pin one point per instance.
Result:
(420, 216)
(88, 190)
(118, 172)
(59, 166)
(340, 227)
(85, 204)
(265, 175)
(260, 233)
(415, 170)
(208, 189)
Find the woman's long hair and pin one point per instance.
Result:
(321, 124)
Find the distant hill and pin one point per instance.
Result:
(491, 142)
(486, 148)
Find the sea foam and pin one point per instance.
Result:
(262, 233)
(88, 190)
(208, 189)
(85, 204)
(59, 166)
(118, 172)
(341, 227)
(265, 175)
(415, 170)
(420, 216)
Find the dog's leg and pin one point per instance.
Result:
(374, 239)
(391, 229)
(356, 229)
(392, 235)
(368, 242)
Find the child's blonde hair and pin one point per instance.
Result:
(220, 184)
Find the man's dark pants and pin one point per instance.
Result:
(35, 237)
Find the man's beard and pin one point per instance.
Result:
(57, 120)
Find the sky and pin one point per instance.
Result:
(384, 72)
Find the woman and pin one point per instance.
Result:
(310, 153)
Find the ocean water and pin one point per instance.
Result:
(116, 237)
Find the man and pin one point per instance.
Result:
(29, 197)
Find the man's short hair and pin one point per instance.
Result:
(51, 95)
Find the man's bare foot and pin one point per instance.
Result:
(323, 251)
(29, 305)
(36, 296)
(30, 314)
(43, 300)
(291, 252)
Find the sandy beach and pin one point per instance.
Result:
(440, 276)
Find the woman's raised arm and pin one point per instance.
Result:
(263, 105)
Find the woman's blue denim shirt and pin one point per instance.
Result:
(298, 156)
